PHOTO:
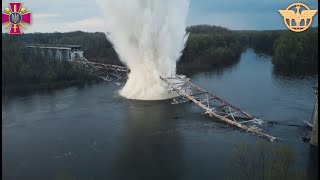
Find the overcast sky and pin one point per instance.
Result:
(85, 15)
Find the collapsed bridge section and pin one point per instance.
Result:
(188, 92)
(213, 105)
(103, 71)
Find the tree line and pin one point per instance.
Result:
(219, 46)
(27, 70)
(288, 49)
(211, 46)
(207, 46)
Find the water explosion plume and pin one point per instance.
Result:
(148, 36)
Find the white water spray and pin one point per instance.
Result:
(149, 36)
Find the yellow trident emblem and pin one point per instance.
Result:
(298, 22)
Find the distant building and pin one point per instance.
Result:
(60, 52)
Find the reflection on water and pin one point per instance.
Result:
(301, 72)
(151, 147)
(218, 71)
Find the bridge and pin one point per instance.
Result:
(58, 52)
(212, 105)
(106, 72)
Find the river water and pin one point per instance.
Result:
(93, 133)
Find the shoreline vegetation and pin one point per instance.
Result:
(208, 47)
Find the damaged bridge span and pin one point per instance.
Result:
(187, 91)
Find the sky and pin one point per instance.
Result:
(85, 15)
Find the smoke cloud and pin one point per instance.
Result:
(148, 36)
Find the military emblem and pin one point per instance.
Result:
(15, 16)
(300, 20)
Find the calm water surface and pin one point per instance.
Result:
(93, 133)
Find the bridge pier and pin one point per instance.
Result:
(64, 54)
(46, 51)
(59, 54)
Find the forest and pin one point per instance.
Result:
(207, 47)
(288, 49)
(23, 70)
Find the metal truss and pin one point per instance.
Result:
(106, 72)
(187, 92)
(213, 105)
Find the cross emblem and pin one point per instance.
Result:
(15, 17)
